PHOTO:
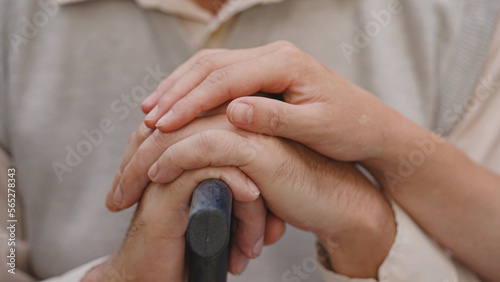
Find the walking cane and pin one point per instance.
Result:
(209, 231)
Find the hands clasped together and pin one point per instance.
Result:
(286, 161)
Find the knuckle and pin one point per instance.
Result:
(206, 62)
(288, 49)
(141, 160)
(247, 151)
(229, 173)
(162, 87)
(232, 170)
(206, 141)
(203, 52)
(218, 77)
(276, 122)
(163, 102)
(206, 52)
(142, 132)
(290, 55)
(132, 137)
(190, 103)
(283, 43)
(142, 156)
(177, 186)
(157, 140)
(168, 157)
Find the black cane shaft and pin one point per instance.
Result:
(208, 232)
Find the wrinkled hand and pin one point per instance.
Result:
(321, 110)
(155, 244)
(145, 147)
(301, 187)
(334, 117)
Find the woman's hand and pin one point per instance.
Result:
(322, 110)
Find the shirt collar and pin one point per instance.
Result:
(190, 10)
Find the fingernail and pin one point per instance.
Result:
(242, 264)
(241, 113)
(152, 114)
(253, 187)
(164, 119)
(153, 171)
(118, 196)
(257, 248)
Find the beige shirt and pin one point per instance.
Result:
(478, 134)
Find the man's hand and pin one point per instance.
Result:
(155, 244)
(314, 193)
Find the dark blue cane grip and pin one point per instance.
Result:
(209, 232)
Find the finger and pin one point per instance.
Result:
(168, 82)
(220, 110)
(134, 176)
(265, 73)
(275, 228)
(251, 218)
(243, 188)
(156, 236)
(155, 239)
(168, 202)
(150, 102)
(269, 160)
(208, 148)
(199, 72)
(273, 117)
(142, 133)
(136, 140)
(237, 260)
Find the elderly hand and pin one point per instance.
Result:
(154, 247)
(338, 119)
(314, 193)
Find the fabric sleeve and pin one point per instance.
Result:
(414, 256)
(78, 273)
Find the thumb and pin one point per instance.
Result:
(268, 116)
